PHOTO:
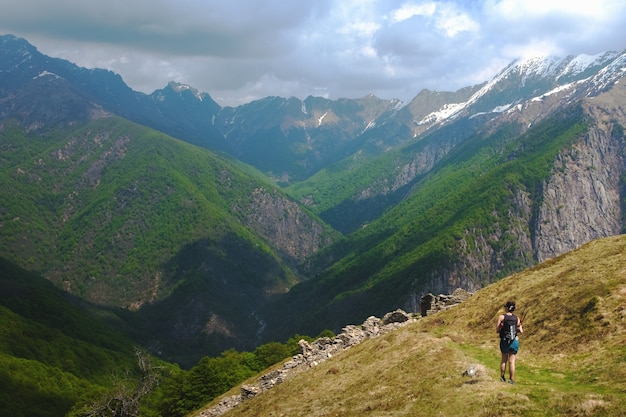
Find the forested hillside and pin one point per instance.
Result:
(459, 227)
(382, 202)
(62, 356)
(122, 215)
(54, 348)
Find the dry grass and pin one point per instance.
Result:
(572, 359)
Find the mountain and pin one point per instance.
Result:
(476, 197)
(310, 133)
(290, 139)
(534, 79)
(526, 91)
(44, 92)
(454, 189)
(570, 362)
(186, 113)
(121, 215)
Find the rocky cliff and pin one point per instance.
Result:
(583, 198)
(285, 224)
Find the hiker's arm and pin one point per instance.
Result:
(499, 325)
(519, 326)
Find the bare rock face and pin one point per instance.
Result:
(296, 234)
(582, 199)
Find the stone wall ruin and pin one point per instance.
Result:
(322, 349)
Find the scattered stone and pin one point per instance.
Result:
(224, 406)
(324, 348)
(397, 316)
(475, 373)
(471, 371)
(248, 392)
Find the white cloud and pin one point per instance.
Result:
(452, 21)
(407, 11)
(239, 50)
(361, 29)
(529, 9)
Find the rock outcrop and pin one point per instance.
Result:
(312, 354)
(283, 222)
(582, 198)
(430, 304)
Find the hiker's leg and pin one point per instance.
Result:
(505, 358)
(512, 366)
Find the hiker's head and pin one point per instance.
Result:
(510, 306)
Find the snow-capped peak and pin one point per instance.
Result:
(581, 63)
(179, 88)
(610, 74)
(543, 75)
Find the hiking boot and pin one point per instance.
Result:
(511, 382)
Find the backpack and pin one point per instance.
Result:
(509, 328)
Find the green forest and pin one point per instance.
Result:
(152, 265)
(60, 355)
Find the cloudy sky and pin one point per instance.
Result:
(242, 50)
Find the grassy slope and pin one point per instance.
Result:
(572, 359)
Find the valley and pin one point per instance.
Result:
(194, 229)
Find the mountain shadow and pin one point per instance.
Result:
(217, 292)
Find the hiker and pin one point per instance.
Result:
(509, 326)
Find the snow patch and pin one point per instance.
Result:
(370, 125)
(44, 74)
(480, 113)
(501, 109)
(498, 109)
(582, 62)
(447, 111)
(610, 74)
(184, 87)
(398, 104)
(319, 121)
(557, 90)
(543, 67)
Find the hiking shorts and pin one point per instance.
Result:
(506, 347)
